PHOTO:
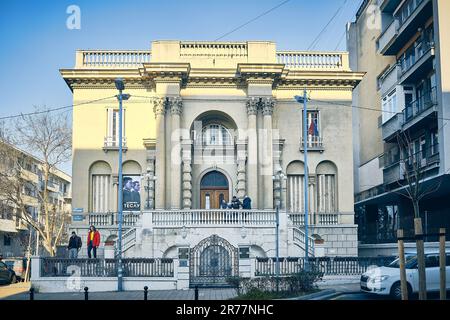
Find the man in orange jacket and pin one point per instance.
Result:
(93, 241)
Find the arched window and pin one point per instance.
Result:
(100, 175)
(326, 187)
(216, 135)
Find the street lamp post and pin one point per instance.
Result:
(304, 100)
(120, 86)
(280, 176)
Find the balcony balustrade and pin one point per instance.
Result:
(424, 102)
(314, 60)
(120, 59)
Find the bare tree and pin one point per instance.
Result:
(414, 188)
(48, 137)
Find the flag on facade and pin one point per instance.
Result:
(313, 129)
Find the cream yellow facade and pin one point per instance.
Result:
(207, 121)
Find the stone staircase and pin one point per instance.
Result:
(299, 240)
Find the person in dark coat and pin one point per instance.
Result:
(74, 246)
(224, 204)
(247, 203)
(235, 203)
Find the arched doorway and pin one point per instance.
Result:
(212, 261)
(214, 188)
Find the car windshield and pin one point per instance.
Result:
(410, 262)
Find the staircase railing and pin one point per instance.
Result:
(299, 239)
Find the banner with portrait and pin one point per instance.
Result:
(131, 193)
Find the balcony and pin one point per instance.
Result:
(418, 62)
(394, 172)
(392, 126)
(389, 6)
(112, 143)
(119, 59)
(412, 15)
(314, 143)
(388, 80)
(318, 61)
(420, 107)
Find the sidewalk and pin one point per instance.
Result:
(14, 289)
(203, 294)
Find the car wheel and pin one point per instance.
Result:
(13, 279)
(396, 291)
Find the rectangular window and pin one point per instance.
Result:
(6, 240)
(112, 139)
(314, 139)
(389, 106)
(100, 193)
(434, 143)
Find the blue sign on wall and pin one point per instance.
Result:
(77, 217)
(78, 210)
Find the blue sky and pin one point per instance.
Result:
(36, 42)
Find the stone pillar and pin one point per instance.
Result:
(159, 108)
(252, 163)
(241, 171)
(150, 184)
(277, 170)
(187, 176)
(176, 107)
(267, 106)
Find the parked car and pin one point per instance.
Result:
(386, 280)
(18, 265)
(7, 275)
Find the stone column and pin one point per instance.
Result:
(187, 176)
(252, 163)
(150, 184)
(241, 171)
(159, 108)
(267, 106)
(277, 169)
(176, 107)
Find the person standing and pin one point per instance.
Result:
(93, 241)
(247, 203)
(235, 203)
(74, 245)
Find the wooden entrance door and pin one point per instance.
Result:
(213, 189)
(211, 199)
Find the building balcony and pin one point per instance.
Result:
(421, 108)
(389, 6)
(389, 79)
(314, 143)
(317, 61)
(111, 59)
(391, 127)
(8, 225)
(419, 63)
(412, 15)
(394, 172)
(112, 143)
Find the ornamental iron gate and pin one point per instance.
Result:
(212, 261)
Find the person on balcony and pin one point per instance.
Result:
(93, 241)
(247, 203)
(224, 204)
(74, 245)
(235, 203)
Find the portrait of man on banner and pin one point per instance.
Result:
(131, 193)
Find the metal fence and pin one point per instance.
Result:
(326, 266)
(137, 267)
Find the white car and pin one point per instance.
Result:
(386, 280)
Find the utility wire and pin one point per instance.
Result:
(252, 20)
(314, 43)
(54, 109)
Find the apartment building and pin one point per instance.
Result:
(410, 89)
(14, 233)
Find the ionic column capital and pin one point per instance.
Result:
(159, 106)
(175, 105)
(267, 106)
(252, 106)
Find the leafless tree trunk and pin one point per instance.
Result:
(48, 137)
(414, 189)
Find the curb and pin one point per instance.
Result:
(316, 295)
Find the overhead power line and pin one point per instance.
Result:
(53, 109)
(252, 20)
(315, 41)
